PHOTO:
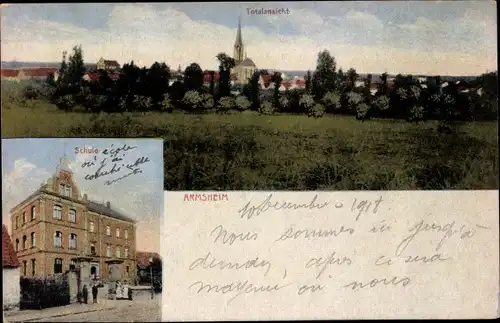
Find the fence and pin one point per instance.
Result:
(38, 293)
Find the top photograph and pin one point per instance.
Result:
(290, 96)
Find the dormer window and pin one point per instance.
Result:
(65, 190)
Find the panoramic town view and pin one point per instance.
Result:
(267, 96)
(79, 242)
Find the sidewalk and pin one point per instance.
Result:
(77, 308)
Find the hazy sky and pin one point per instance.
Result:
(26, 163)
(418, 37)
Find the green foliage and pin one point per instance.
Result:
(166, 103)
(226, 104)
(267, 108)
(331, 101)
(416, 113)
(316, 111)
(284, 102)
(208, 101)
(362, 110)
(242, 103)
(353, 100)
(192, 101)
(193, 77)
(306, 102)
(323, 79)
(66, 102)
(382, 103)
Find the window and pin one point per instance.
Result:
(118, 255)
(126, 234)
(17, 222)
(58, 239)
(72, 215)
(91, 225)
(108, 230)
(33, 267)
(17, 245)
(117, 232)
(58, 266)
(24, 242)
(57, 212)
(24, 217)
(92, 249)
(72, 265)
(108, 251)
(72, 241)
(25, 267)
(65, 190)
(128, 269)
(33, 213)
(125, 253)
(33, 240)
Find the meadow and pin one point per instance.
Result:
(248, 151)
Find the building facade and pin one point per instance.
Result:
(108, 65)
(244, 67)
(11, 274)
(56, 224)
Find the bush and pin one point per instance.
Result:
(208, 101)
(353, 99)
(331, 101)
(306, 102)
(317, 110)
(362, 111)
(416, 113)
(267, 108)
(242, 103)
(382, 103)
(225, 104)
(66, 102)
(192, 101)
(284, 102)
(166, 104)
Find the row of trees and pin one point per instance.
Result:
(327, 90)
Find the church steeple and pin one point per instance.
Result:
(238, 45)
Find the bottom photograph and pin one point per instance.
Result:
(81, 230)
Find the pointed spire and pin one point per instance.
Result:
(239, 40)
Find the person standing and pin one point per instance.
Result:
(95, 290)
(85, 292)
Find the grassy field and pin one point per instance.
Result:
(246, 151)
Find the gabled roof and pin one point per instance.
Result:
(43, 71)
(111, 63)
(247, 62)
(103, 209)
(142, 258)
(9, 256)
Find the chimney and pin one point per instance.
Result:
(85, 197)
(108, 205)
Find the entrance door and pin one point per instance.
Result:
(94, 271)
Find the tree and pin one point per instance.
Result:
(157, 79)
(225, 104)
(212, 82)
(166, 104)
(353, 100)
(368, 80)
(306, 102)
(226, 63)
(76, 68)
(351, 77)
(267, 108)
(383, 85)
(308, 81)
(62, 69)
(362, 110)
(276, 79)
(193, 77)
(207, 101)
(254, 91)
(317, 110)
(381, 103)
(324, 77)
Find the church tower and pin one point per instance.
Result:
(238, 45)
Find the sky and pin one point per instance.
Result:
(408, 37)
(26, 163)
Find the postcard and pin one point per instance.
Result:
(81, 226)
(330, 255)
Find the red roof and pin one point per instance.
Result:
(142, 258)
(112, 63)
(10, 72)
(207, 76)
(9, 256)
(95, 76)
(43, 71)
(300, 82)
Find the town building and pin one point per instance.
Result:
(56, 224)
(34, 74)
(108, 65)
(11, 273)
(245, 67)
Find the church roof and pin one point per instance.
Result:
(239, 40)
(247, 62)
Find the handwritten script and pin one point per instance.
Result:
(114, 164)
(350, 255)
